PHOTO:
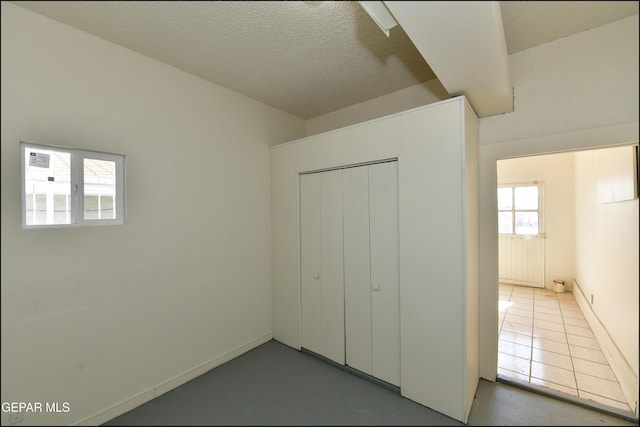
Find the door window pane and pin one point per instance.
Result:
(526, 197)
(505, 222)
(504, 198)
(526, 222)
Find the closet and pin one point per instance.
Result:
(349, 267)
(333, 266)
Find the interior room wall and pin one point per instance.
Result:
(607, 268)
(577, 92)
(105, 318)
(555, 172)
(404, 99)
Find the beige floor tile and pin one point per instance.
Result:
(523, 290)
(572, 314)
(604, 400)
(595, 369)
(583, 341)
(548, 310)
(548, 299)
(547, 292)
(521, 299)
(521, 306)
(574, 321)
(599, 386)
(520, 312)
(523, 320)
(551, 358)
(577, 330)
(516, 327)
(554, 386)
(547, 303)
(515, 337)
(559, 352)
(554, 374)
(514, 349)
(551, 326)
(569, 309)
(550, 335)
(550, 345)
(548, 317)
(513, 375)
(513, 363)
(566, 296)
(594, 355)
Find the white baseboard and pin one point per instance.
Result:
(169, 384)
(626, 377)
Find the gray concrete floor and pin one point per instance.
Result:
(274, 384)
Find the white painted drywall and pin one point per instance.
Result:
(435, 302)
(402, 100)
(607, 264)
(555, 173)
(106, 318)
(577, 92)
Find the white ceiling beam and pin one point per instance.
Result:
(463, 43)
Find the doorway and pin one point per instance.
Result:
(567, 341)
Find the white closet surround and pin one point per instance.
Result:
(436, 147)
(349, 267)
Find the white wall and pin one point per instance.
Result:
(607, 268)
(106, 318)
(555, 172)
(404, 99)
(435, 272)
(577, 92)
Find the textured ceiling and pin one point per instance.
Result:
(304, 57)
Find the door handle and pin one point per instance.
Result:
(375, 287)
(317, 276)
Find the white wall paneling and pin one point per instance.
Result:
(436, 148)
(522, 260)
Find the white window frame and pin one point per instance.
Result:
(513, 210)
(77, 186)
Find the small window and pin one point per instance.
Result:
(67, 187)
(519, 209)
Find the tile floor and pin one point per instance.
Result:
(545, 340)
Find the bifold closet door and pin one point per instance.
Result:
(321, 264)
(371, 270)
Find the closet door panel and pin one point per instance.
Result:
(385, 276)
(331, 275)
(357, 278)
(310, 268)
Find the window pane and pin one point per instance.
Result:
(47, 181)
(526, 197)
(504, 198)
(99, 188)
(505, 222)
(526, 222)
